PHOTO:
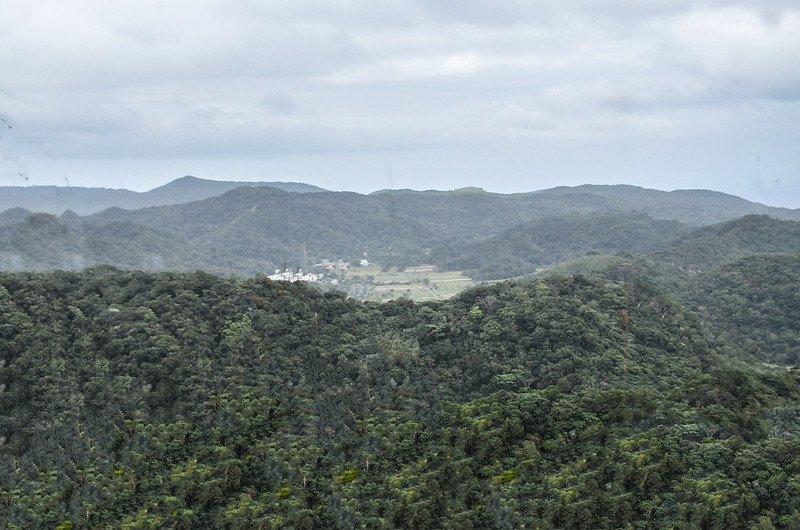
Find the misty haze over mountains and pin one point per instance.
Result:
(250, 228)
(84, 201)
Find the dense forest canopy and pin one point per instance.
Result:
(186, 400)
(740, 277)
(754, 302)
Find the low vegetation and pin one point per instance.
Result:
(421, 283)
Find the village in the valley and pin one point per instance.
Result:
(326, 272)
(367, 281)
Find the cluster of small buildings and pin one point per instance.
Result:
(290, 276)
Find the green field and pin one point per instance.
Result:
(416, 283)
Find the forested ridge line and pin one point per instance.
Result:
(143, 400)
(252, 230)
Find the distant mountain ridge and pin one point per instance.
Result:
(248, 230)
(86, 201)
(704, 206)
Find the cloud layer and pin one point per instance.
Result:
(515, 87)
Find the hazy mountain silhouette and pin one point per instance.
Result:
(253, 229)
(84, 201)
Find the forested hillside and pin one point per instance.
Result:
(742, 277)
(726, 242)
(13, 216)
(41, 242)
(254, 230)
(754, 302)
(542, 242)
(185, 400)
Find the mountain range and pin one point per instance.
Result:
(84, 201)
(248, 230)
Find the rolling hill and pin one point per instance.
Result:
(741, 277)
(753, 302)
(700, 251)
(529, 246)
(43, 242)
(250, 230)
(84, 201)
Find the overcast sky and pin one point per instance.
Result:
(506, 95)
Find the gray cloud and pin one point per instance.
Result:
(281, 103)
(247, 80)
